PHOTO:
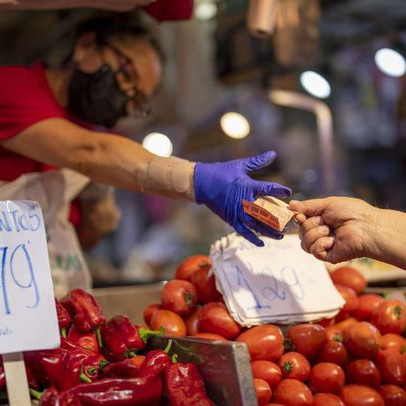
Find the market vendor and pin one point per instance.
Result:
(47, 119)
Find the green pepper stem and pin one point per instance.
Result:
(84, 378)
(168, 346)
(63, 332)
(174, 358)
(35, 394)
(99, 339)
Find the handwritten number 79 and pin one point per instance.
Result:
(8, 264)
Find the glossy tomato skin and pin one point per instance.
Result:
(390, 317)
(179, 296)
(327, 399)
(171, 322)
(333, 333)
(327, 378)
(291, 392)
(268, 371)
(262, 391)
(191, 264)
(210, 336)
(351, 302)
(350, 277)
(294, 366)
(192, 322)
(334, 352)
(393, 342)
(307, 339)
(150, 310)
(362, 339)
(264, 342)
(205, 285)
(214, 318)
(393, 395)
(392, 367)
(361, 395)
(366, 306)
(343, 325)
(363, 372)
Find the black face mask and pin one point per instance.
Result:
(96, 97)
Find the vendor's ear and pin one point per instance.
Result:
(86, 53)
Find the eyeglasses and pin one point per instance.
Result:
(127, 76)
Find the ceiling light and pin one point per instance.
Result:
(159, 144)
(315, 84)
(235, 125)
(205, 10)
(390, 62)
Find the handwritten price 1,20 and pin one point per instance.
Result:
(271, 288)
(12, 277)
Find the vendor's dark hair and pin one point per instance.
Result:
(107, 25)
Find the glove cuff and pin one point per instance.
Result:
(169, 177)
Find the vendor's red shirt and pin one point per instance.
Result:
(25, 99)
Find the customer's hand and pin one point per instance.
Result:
(336, 229)
(223, 186)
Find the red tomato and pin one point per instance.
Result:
(361, 395)
(179, 296)
(393, 342)
(205, 286)
(210, 336)
(363, 372)
(327, 322)
(334, 352)
(393, 395)
(150, 310)
(390, 317)
(333, 333)
(366, 306)
(291, 392)
(327, 378)
(263, 342)
(327, 399)
(294, 366)
(362, 339)
(88, 341)
(268, 371)
(171, 322)
(350, 277)
(344, 324)
(392, 367)
(192, 322)
(214, 318)
(262, 391)
(307, 338)
(190, 265)
(351, 301)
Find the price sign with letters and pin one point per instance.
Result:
(28, 319)
(277, 283)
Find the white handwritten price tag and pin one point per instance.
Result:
(28, 319)
(278, 283)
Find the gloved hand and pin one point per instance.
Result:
(222, 186)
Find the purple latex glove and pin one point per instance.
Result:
(222, 186)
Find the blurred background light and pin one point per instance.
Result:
(315, 84)
(205, 10)
(390, 62)
(235, 125)
(159, 144)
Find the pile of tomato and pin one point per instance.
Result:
(355, 359)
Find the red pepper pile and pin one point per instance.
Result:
(105, 362)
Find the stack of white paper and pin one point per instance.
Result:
(278, 283)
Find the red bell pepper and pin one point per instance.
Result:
(51, 397)
(2, 374)
(122, 339)
(128, 368)
(64, 319)
(184, 386)
(85, 311)
(88, 341)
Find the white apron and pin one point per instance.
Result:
(54, 191)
